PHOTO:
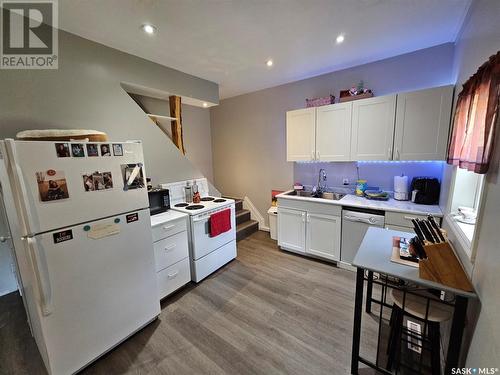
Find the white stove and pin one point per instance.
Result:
(207, 254)
(206, 204)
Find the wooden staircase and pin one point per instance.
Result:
(244, 225)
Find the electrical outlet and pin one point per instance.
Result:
(345, 181)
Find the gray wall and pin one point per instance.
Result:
(85, 92)
(195, 127)
(248, 131)
(480, 39)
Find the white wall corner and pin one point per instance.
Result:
(255, 214)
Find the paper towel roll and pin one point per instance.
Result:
(401, 188)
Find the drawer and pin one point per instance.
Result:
(169, 228)
(402, 219)
(172, 278)
(171, 250)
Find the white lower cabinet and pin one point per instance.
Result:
(310, 232)
(170, 243)
(292, 229)
(323, 236)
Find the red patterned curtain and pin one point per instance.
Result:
(475, 120)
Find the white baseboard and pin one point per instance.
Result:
(255, 214)
(346, 266)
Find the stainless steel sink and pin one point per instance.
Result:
(325, 195)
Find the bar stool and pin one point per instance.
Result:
(415, 306)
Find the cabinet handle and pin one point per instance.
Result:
(168, 227)
(409, 218)
(172, 275)
(303, 217)
(317, 155)
(308, 218)
(397, 154)
(169, 248)
(390, 152)
(312, 155)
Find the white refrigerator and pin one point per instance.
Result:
(82, 238)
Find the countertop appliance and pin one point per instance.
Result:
(401, 188)
(85, 250)
(207, 254)
(425, 190)
(355, 223)
(159, 200)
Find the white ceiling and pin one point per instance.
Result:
(228, 42)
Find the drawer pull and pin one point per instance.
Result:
(168, 227)
(410, 218)
(172, 275)
(169, 248)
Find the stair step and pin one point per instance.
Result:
(242, 216)
(238, 202)
(245, 229)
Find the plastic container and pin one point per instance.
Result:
(361, 186)
(273, 221)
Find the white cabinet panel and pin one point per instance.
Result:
(301, 134)
(333, 132)
(172, 278)
(422, 124)
(171, 250)
(373, 128)
(292, 229)
(323, 236)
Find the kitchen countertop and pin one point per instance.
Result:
(166, 217)
(351, 200)
(374, 254)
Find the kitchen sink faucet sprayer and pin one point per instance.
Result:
(321, 187)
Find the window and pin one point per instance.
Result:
(463, 207)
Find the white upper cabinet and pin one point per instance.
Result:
(422, 124)
(301, 134)
(413, 127)
(373, 128)
(333, 132)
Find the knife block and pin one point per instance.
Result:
(442, 266)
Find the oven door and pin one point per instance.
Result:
(203, 244)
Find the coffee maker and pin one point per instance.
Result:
(425, 190)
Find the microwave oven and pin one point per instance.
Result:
(159, 201)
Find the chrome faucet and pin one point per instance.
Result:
(321, 187)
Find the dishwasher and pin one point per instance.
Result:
(355, 223)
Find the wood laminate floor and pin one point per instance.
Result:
(266, 312)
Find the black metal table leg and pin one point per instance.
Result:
(369, 289)
(356, 332)
(456, 333)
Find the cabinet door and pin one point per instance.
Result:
(292, 229)
(323, 236)
(373, 128)
(301, 134)
(422, 124)
(333, 132)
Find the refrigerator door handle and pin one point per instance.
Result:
(40, 268)
(20, 189)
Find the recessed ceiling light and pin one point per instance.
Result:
(340, 39)
(148, 28)
(269, 63)
(205, 104)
